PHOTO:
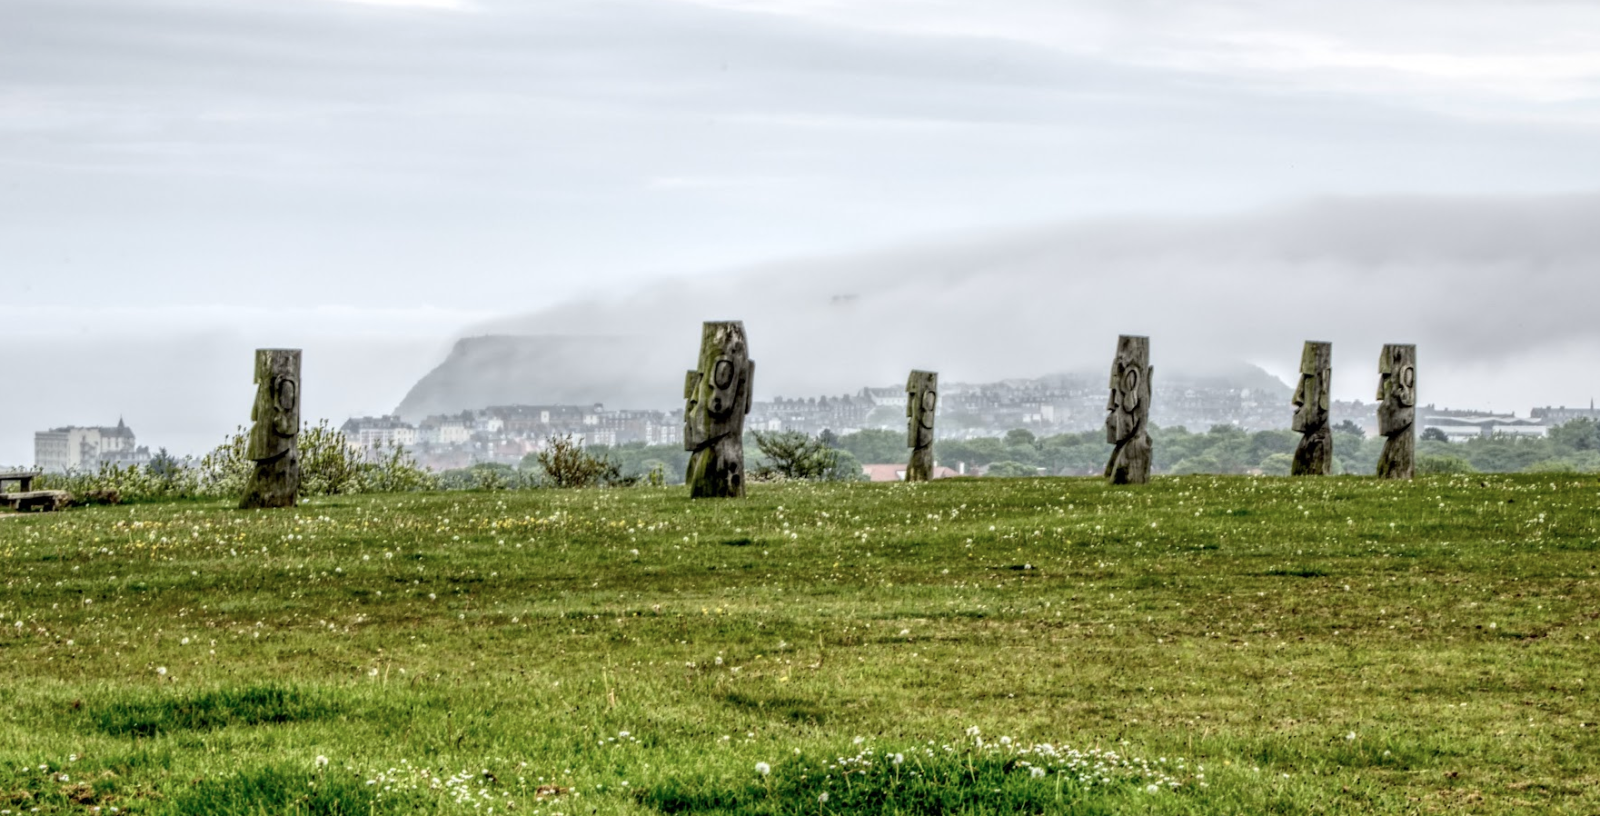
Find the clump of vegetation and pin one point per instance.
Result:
(968, 776)
(329, 466)
(793, 455)
(796, 455)
(564, 463)
(150, 715)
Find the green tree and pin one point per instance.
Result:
(796, 455)
(1011, 470)
(876, 447)
(1581, 434)
(564, 463)
(164, 466)
(1432, 464)
(1277, 464)
(1017, 437)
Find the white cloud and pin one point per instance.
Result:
(1530, 52)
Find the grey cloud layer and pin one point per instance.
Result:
(1496, 287)
(248, 153)
(175, 151)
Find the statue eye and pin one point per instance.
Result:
(722, 374)
(286, 395)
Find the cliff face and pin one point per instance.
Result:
(622, 372)
(632, 372)
(1469, 281)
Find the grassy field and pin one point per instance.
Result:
(1198, 645)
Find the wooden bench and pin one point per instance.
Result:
(25, 498)
(23, 478)
(37, 501)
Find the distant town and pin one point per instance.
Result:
(1050, 405)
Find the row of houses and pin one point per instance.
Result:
(508, 433)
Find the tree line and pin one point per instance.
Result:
(1223, 449)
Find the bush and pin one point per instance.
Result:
(1439, 464)
(328, 466)
(795, 455)
(1011, 470)
(565, 463)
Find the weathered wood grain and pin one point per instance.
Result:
(1312, 401)
(716, 399)
(274, 434)
(1397, 411)
(1128, 412)
(922, 400)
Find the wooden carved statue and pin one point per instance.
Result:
(1128, 412)
(273, 436)
(1314, 456)
(1397, 411)
(717, 397)
(922, 397)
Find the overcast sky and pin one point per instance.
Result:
(387, 174)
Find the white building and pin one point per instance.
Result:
(75, 448)
(378, 433)
(1462, 428)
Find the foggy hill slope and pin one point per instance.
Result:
(1501, 288)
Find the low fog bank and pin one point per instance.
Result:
(182, 378)
(1499, 294)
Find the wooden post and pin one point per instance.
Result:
(1397, 411)
(275, 432)
(717, 397)
(922, 397)
(1314, 455)
(1128, 412)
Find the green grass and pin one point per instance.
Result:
(1315, 646)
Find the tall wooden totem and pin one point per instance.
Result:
(275, 481)
(922, 397)
(1397, 411)
(1314, 456)
(1128, 412)
(717, 397)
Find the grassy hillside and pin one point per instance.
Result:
(1200, 645)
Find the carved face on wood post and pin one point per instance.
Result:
(1311, 397)
(276, 413)
(922, 398)
(1128, 407)
(1397, 389)
(717, 395)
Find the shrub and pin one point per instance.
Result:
(328, 466)
(1437, 464)
(565, 463)
(794, 455)
(1009, 469)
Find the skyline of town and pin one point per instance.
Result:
(1047, 405)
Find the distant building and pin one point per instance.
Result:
(897, 473)
(1563, 415)
(75, 448)
(1459, 425)
(1462, 428)
(373, 435)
